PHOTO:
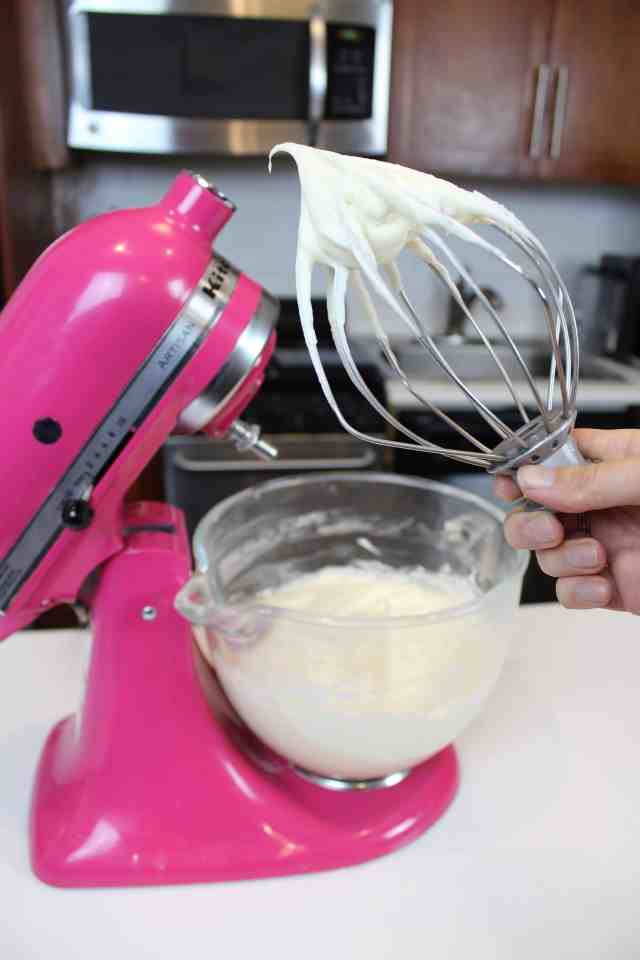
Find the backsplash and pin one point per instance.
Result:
(577, 224)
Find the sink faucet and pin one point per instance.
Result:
(457, 318)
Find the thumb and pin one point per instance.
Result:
(595, 486)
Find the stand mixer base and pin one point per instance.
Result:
(280, 826)
(145, 786)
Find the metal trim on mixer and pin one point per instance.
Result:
(246, 353)
(337, 784)
(206, 185)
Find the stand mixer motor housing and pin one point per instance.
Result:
(113, 340)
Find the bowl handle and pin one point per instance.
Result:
(238, 627)
(194, 601)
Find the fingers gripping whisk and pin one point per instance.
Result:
(356, 217)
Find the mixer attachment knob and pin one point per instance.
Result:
(246, 436)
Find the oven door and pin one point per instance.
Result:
(199, 473)
(196, 76)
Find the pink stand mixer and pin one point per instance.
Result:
(129, 328)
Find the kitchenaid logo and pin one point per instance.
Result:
(215, 278)
(181, 340)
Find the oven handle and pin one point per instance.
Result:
(317, 73)
(183, 462)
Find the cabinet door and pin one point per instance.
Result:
(27, 146)
(594, 106)
(464, 84)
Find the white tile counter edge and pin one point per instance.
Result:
(539, 856)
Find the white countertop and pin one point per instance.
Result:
(538, 857)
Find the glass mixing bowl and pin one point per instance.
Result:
(343, 697)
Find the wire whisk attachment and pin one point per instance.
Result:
(357, 216)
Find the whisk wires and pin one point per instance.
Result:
(432, 249)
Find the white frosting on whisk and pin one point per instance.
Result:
(356, 217)
(353, 208)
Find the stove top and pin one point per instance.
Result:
(291, 400)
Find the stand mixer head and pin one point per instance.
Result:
(127, 328)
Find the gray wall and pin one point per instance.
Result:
(576, 224)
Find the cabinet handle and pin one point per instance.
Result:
(317, 72)
(559, 111)
(539, 106)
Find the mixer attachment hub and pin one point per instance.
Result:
(540, 444)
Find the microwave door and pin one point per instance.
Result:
(187, 76)
(178, 83)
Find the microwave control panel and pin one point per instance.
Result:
(350, 62)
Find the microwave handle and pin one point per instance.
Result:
(317, 72)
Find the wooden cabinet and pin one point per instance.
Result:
(538, 89)
(32, 140)
(594, 49)
(31, 146)
(463, 82)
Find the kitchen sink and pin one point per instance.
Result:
(473, 363)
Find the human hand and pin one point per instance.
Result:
(603, 569)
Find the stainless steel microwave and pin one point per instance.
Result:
(229, 76)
